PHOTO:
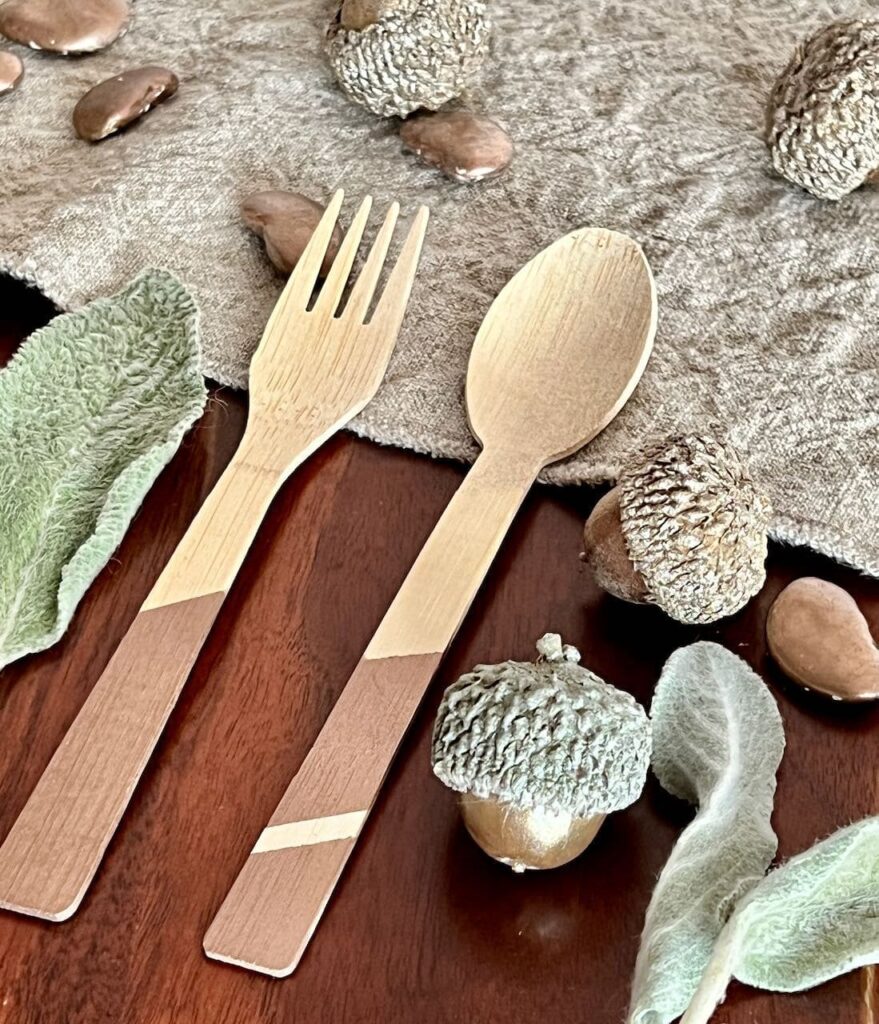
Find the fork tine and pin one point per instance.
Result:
(362, 292)
(392, 304)
(332, 288)
(304, 277)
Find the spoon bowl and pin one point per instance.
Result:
(563, 346)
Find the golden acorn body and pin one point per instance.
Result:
(527, 839)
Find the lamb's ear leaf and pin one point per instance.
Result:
(815, 917)
(717, 741)
(812, 919)
(91, 408)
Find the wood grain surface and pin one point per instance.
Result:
(423, 925)
(276, 902)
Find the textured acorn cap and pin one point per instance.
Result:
(419, 53)
(549, 734)
(822, 122)
(695, 524)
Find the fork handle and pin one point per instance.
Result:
(53, 851)
(277, 900)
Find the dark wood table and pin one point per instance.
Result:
(424, 927)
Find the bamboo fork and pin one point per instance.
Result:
(313, 371)
(558, 355)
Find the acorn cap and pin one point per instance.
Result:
(549, 734)
(822, 122)
(418, 53)
(695, 524)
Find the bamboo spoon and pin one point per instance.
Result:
(314, 370)
(558, 355)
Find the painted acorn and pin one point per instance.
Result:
(540, 752)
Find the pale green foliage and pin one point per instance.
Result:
(91, 408)
(717, 742)
(813, 918)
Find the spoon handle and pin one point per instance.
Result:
(277, 900)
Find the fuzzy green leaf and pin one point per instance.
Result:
(717, 742)
(812, 919)
(91, 408)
